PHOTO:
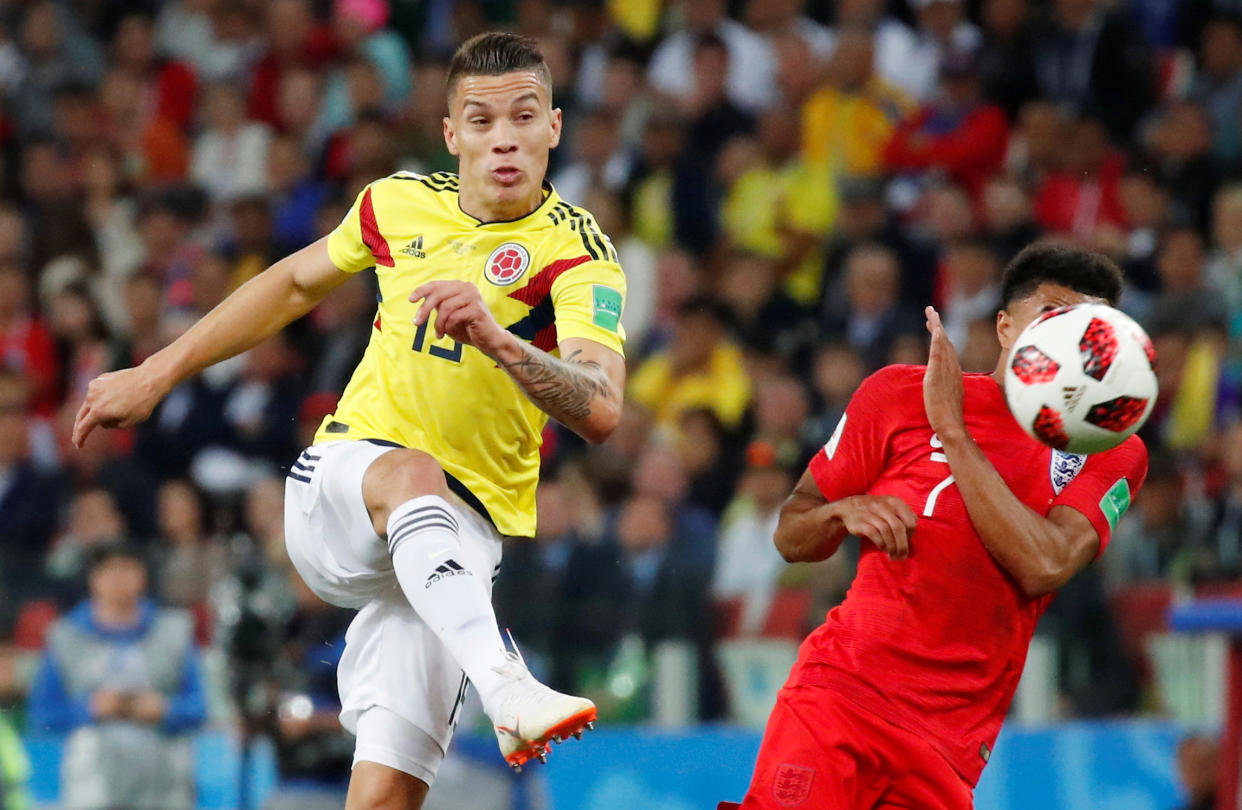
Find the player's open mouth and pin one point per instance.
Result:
(506, 175)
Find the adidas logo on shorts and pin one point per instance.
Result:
(449, 568)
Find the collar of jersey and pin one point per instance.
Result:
(549, 199)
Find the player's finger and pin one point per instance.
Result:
(883, 535)
(901, 537)
(423, 290)
(904, 513)
(431, 302)
(83, 426)
(450, 312)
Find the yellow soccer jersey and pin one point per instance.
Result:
(547, 276)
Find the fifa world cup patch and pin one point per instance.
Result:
(1115, 502)
(606, 307)
(792, 785)
(1063, 468)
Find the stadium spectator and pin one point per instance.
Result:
(957, 133)
(1164, 537)
(1179, 142)
(873, 317)
(701, 367)
(1218, 86)
(189, 560)
(1007, 56)
(1185, 299)
(778, 205)
(230, 154)
(29, 499)
(121, 678)
(971, 288)
(1091, 58)
(942, 27)
(749, 81)
(313, 753)
(849, 118)
(748, 565)
(1080, 193)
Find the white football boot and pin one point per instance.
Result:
(528, 715)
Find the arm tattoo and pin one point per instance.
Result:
(561, 388)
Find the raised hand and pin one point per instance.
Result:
(943, 391)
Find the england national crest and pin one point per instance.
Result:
(1063, 468)
(792, 785)
(507, 264)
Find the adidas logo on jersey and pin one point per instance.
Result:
(415, 248)
(449, 568)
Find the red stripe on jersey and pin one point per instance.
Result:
(371, 236)
(545, 339)
(540, 285)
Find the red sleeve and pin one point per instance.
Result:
(849, 463)
(1106, 486)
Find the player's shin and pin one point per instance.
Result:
(436, 577)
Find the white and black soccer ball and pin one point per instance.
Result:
(1082, 378)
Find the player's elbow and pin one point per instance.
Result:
(599, 425)
(1043, 578)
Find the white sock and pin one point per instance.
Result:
(436, 578)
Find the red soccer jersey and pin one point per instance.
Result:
(935, 643)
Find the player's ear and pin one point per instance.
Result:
(450, 136)
(1004, 329)
(556, 128)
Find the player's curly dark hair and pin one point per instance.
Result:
(495, 53)
(1048, 262)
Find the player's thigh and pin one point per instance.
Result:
(921, 779)
(811, 756)
(328, 531)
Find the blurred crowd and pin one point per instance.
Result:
(787, 183)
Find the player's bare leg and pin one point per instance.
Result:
(408, 500)
(377, 787)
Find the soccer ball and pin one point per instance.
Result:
(1081, 378)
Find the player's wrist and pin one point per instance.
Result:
(954, 436)
(505, 348)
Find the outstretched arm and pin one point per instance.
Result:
(1040, 553)
(582, 389)
(254, 312)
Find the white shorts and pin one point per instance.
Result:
(392, 659)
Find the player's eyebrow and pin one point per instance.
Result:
(525, 97)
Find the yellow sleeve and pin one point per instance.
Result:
(588, 301)
(346, 247)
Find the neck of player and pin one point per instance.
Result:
(484, 210)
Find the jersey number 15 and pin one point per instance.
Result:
(453, 355)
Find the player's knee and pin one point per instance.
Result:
(395, 478)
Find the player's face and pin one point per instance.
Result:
(501, 128)
(1018, 315)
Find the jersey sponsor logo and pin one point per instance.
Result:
(1063, 468)
(606, 308)
(415, 248)
(449, 568)
(792, 785)
(507, 264)
(1115, 502)
(830, 449)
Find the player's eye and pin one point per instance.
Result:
(526, 116)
